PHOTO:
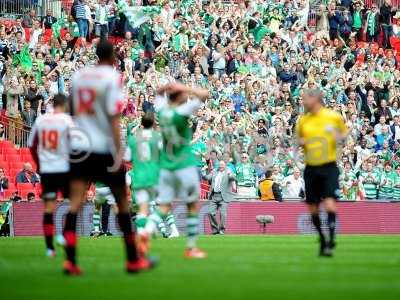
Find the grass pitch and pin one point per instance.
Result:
(238, 267)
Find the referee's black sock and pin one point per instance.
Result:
(70, 237)
(125, 225)
(332, 226)
(317, 223)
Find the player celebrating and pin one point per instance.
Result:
(143, 151)
(96, 104)
(318, 132)
(179, 177)
(49, 144)
(143, 178)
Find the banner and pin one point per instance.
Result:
(290, 218)
(137, 15)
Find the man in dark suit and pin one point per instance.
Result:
(48, 20)
(221, 195)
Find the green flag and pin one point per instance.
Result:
(57, 26)
(23, 59)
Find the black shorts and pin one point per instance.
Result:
(321, 182)
(95, 168)
(52, 183)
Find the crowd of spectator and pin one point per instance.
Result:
(255, 57)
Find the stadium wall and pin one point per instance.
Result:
(290, 218)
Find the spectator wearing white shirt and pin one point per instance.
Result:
(382, 123)
(36, 31)
(101, 19)
(293, 186)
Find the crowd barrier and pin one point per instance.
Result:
(290, 218)
(17, 8)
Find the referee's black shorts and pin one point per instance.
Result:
(321, 182)
(95, 167)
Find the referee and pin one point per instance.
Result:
(318, 132)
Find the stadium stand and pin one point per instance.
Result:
(268, 51)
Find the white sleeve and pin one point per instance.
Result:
(115, 99)
(190, 107)
(128, 179)
(160, 102)
(128, 154)
(32, 135)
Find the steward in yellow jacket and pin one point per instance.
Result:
(268, 189)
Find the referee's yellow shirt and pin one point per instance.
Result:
(319, 133)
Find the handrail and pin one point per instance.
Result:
(15, 130)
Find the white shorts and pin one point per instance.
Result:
(144, 195)
(183, 184)
(103, 195)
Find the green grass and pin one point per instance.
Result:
(238, 267)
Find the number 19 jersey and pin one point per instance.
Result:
(96, 97)
(51, 135)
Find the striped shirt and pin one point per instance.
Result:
(370, 183)
(396, 187)
(386, 189)
(80, 10)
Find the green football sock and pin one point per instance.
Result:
(172, 225)
(157, 218)
(192, 224)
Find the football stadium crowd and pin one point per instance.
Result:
(255, 57)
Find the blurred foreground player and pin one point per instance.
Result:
(49, 144)
(179, 177)
(96, 104)
(319, 131)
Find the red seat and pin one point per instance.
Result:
(10, 151)
(12, 157)
(25, 151)
(27, 157)
(16, 164)
(38, 189)
(25, 186)
(4, 164)
(11, 186)
(6, 144)
(13, 173)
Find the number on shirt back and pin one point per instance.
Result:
(50, 140)
(86, 97)
(144, 151)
